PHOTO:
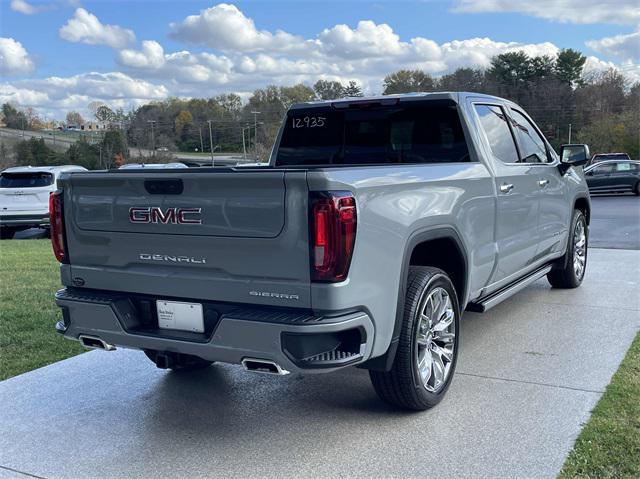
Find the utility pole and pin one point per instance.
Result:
(569, 133)
(213, 162)
(201, 144)
(255, 132)
(22, 127)
(153, 138)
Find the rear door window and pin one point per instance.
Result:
(494, 122)
(25, 180)
(417, 132)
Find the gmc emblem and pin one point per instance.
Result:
(174, 216)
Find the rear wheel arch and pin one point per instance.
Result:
(440, 247)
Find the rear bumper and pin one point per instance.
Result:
(284, 337)
(25, 220)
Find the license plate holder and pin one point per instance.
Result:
(180, 316)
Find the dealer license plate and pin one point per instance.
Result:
(181, 316)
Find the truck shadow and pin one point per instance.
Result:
(225, 400)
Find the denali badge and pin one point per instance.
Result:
(172, 259)
(266, 294)
(155, 214)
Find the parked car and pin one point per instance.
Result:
(152, 166)
(24, 197)
(613, 177)
(607, 156)
(377, 223)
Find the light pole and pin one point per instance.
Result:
(244, 148)
(213, 162)
(153, 138)
(255, 132)
(569, 133)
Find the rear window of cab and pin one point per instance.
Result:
(411, 132)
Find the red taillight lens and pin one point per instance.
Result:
(56, 221)
(333, 234)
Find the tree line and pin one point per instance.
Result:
(601, 109)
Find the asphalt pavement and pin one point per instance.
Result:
(615, 221)
(529, 373)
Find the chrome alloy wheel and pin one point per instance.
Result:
(579, 249)
(435, 339)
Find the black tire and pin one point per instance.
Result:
(177, 362)
(403, 386)
(636, 190)
(7, 233)
(564, 274)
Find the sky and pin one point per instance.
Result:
(60, 55)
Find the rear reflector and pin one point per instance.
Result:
(57, 226)
(333, 233)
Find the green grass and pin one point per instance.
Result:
(29, 277)
(609, 445)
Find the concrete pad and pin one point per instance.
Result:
(530, 371)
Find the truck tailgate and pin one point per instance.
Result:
(222, 235)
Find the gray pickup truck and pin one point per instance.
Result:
(375, 224)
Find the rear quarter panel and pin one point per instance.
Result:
(394, 202)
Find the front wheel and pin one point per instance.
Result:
(428, 343)
(636, 190)
(569, 272)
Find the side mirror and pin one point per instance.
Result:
(573, 155)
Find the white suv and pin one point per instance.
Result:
(24, 197)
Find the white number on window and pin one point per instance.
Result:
(308, 122)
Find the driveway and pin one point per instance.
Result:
(615, 222)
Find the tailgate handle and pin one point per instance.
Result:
(164, 187)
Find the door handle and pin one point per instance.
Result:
(506, 187)
(543, 183)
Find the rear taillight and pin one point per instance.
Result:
(56, 220)
(332, 234)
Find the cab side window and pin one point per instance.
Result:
(533, 148)
(494, 123)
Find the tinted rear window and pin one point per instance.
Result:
(425, 132)
(25, 180)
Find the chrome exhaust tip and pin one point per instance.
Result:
(92, 342)
(263, 366)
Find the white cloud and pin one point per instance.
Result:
(594, 66)
(151, 56)
(565, 11)
(625, 47)
(14, 59)
(366, 40)
(56, 95)
(224, 27)
(181, 66)
(85, 27)
(24, 7)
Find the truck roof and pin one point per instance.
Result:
(444, 95)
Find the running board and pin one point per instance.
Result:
(488, 302)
